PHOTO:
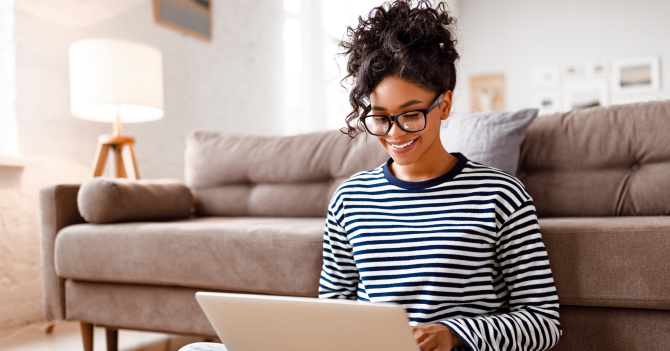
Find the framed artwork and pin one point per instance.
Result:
(585, 94)
(548, 102)
(596, 69)
(627, 99)
(572, 71)
(193, 17)
(487, 92)
(546, 76)
(636, 76)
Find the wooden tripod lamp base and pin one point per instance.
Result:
(117, 144)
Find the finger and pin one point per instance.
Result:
(427, 345)
(420, 335)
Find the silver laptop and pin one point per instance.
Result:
(271, 323)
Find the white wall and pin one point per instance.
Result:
(512, 37)
(8, 128)
(232, 84)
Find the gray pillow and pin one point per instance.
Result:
(491, 138)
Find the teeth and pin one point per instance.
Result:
(403, 145)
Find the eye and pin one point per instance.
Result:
(412, 115)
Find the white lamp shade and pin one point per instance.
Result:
(112, 76)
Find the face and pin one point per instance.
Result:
(394, 95)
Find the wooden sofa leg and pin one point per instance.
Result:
(87, 336)
(112, 339)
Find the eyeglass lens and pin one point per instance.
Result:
(411, 121)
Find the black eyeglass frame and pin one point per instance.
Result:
(394, 118)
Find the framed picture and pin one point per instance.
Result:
(596, 69)
(193, 17)
(487, 92)
(548, 102)
(636, 76)
(631, 99)
(546, 76)
(572, 71)
(585, 94)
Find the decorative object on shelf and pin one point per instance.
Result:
(585, 93)
(487, 92)
(116, 81)
(193, 17)
(636, 76)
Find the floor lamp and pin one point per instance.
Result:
(116, 81)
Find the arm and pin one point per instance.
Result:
(532, 322)
(339, 275)
(58, 209)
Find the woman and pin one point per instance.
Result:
(455, 242)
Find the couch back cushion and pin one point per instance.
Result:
(295, 176)
(609, 161)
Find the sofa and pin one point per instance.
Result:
(255, 213)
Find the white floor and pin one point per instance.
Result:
(66, 336)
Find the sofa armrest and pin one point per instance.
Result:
(58, 209)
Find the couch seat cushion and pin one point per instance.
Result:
(610, 261)
(256, 255)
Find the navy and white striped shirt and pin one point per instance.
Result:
(463, 249)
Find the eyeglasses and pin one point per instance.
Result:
(409, 121)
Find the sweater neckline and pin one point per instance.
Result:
(456, 169)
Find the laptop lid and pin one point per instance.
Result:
(272, 323)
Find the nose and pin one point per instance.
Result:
(395, 130)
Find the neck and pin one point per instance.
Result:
(431, 165)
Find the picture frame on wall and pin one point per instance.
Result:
(585, 94)
(487, 92)
(547, 102)
(596, 69)
(192, 17)
(546, 76)
(636, 76)
(572, 71)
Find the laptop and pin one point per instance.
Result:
(273, 323)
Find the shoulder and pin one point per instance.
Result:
(360, 182)
(492, 179)
(363, 180)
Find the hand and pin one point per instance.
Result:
(438, 337)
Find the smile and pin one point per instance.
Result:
(402, 146)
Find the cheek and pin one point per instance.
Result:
(381, 142)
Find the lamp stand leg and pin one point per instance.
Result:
(118, 161)
(100, 159)
(117, 144)
(136, 173)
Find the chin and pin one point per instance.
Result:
(402, 160)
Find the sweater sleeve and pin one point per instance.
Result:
(339, 275)
(532, 322)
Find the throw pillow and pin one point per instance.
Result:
(491, 138)
(108, 200)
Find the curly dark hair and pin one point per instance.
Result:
(416, 44)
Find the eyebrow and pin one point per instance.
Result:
(405, 105)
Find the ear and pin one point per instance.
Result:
(445, 105)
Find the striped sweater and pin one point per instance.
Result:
(463, 249)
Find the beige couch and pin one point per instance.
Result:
(600, 179)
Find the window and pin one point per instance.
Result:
(315, 98)
(9, 145)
